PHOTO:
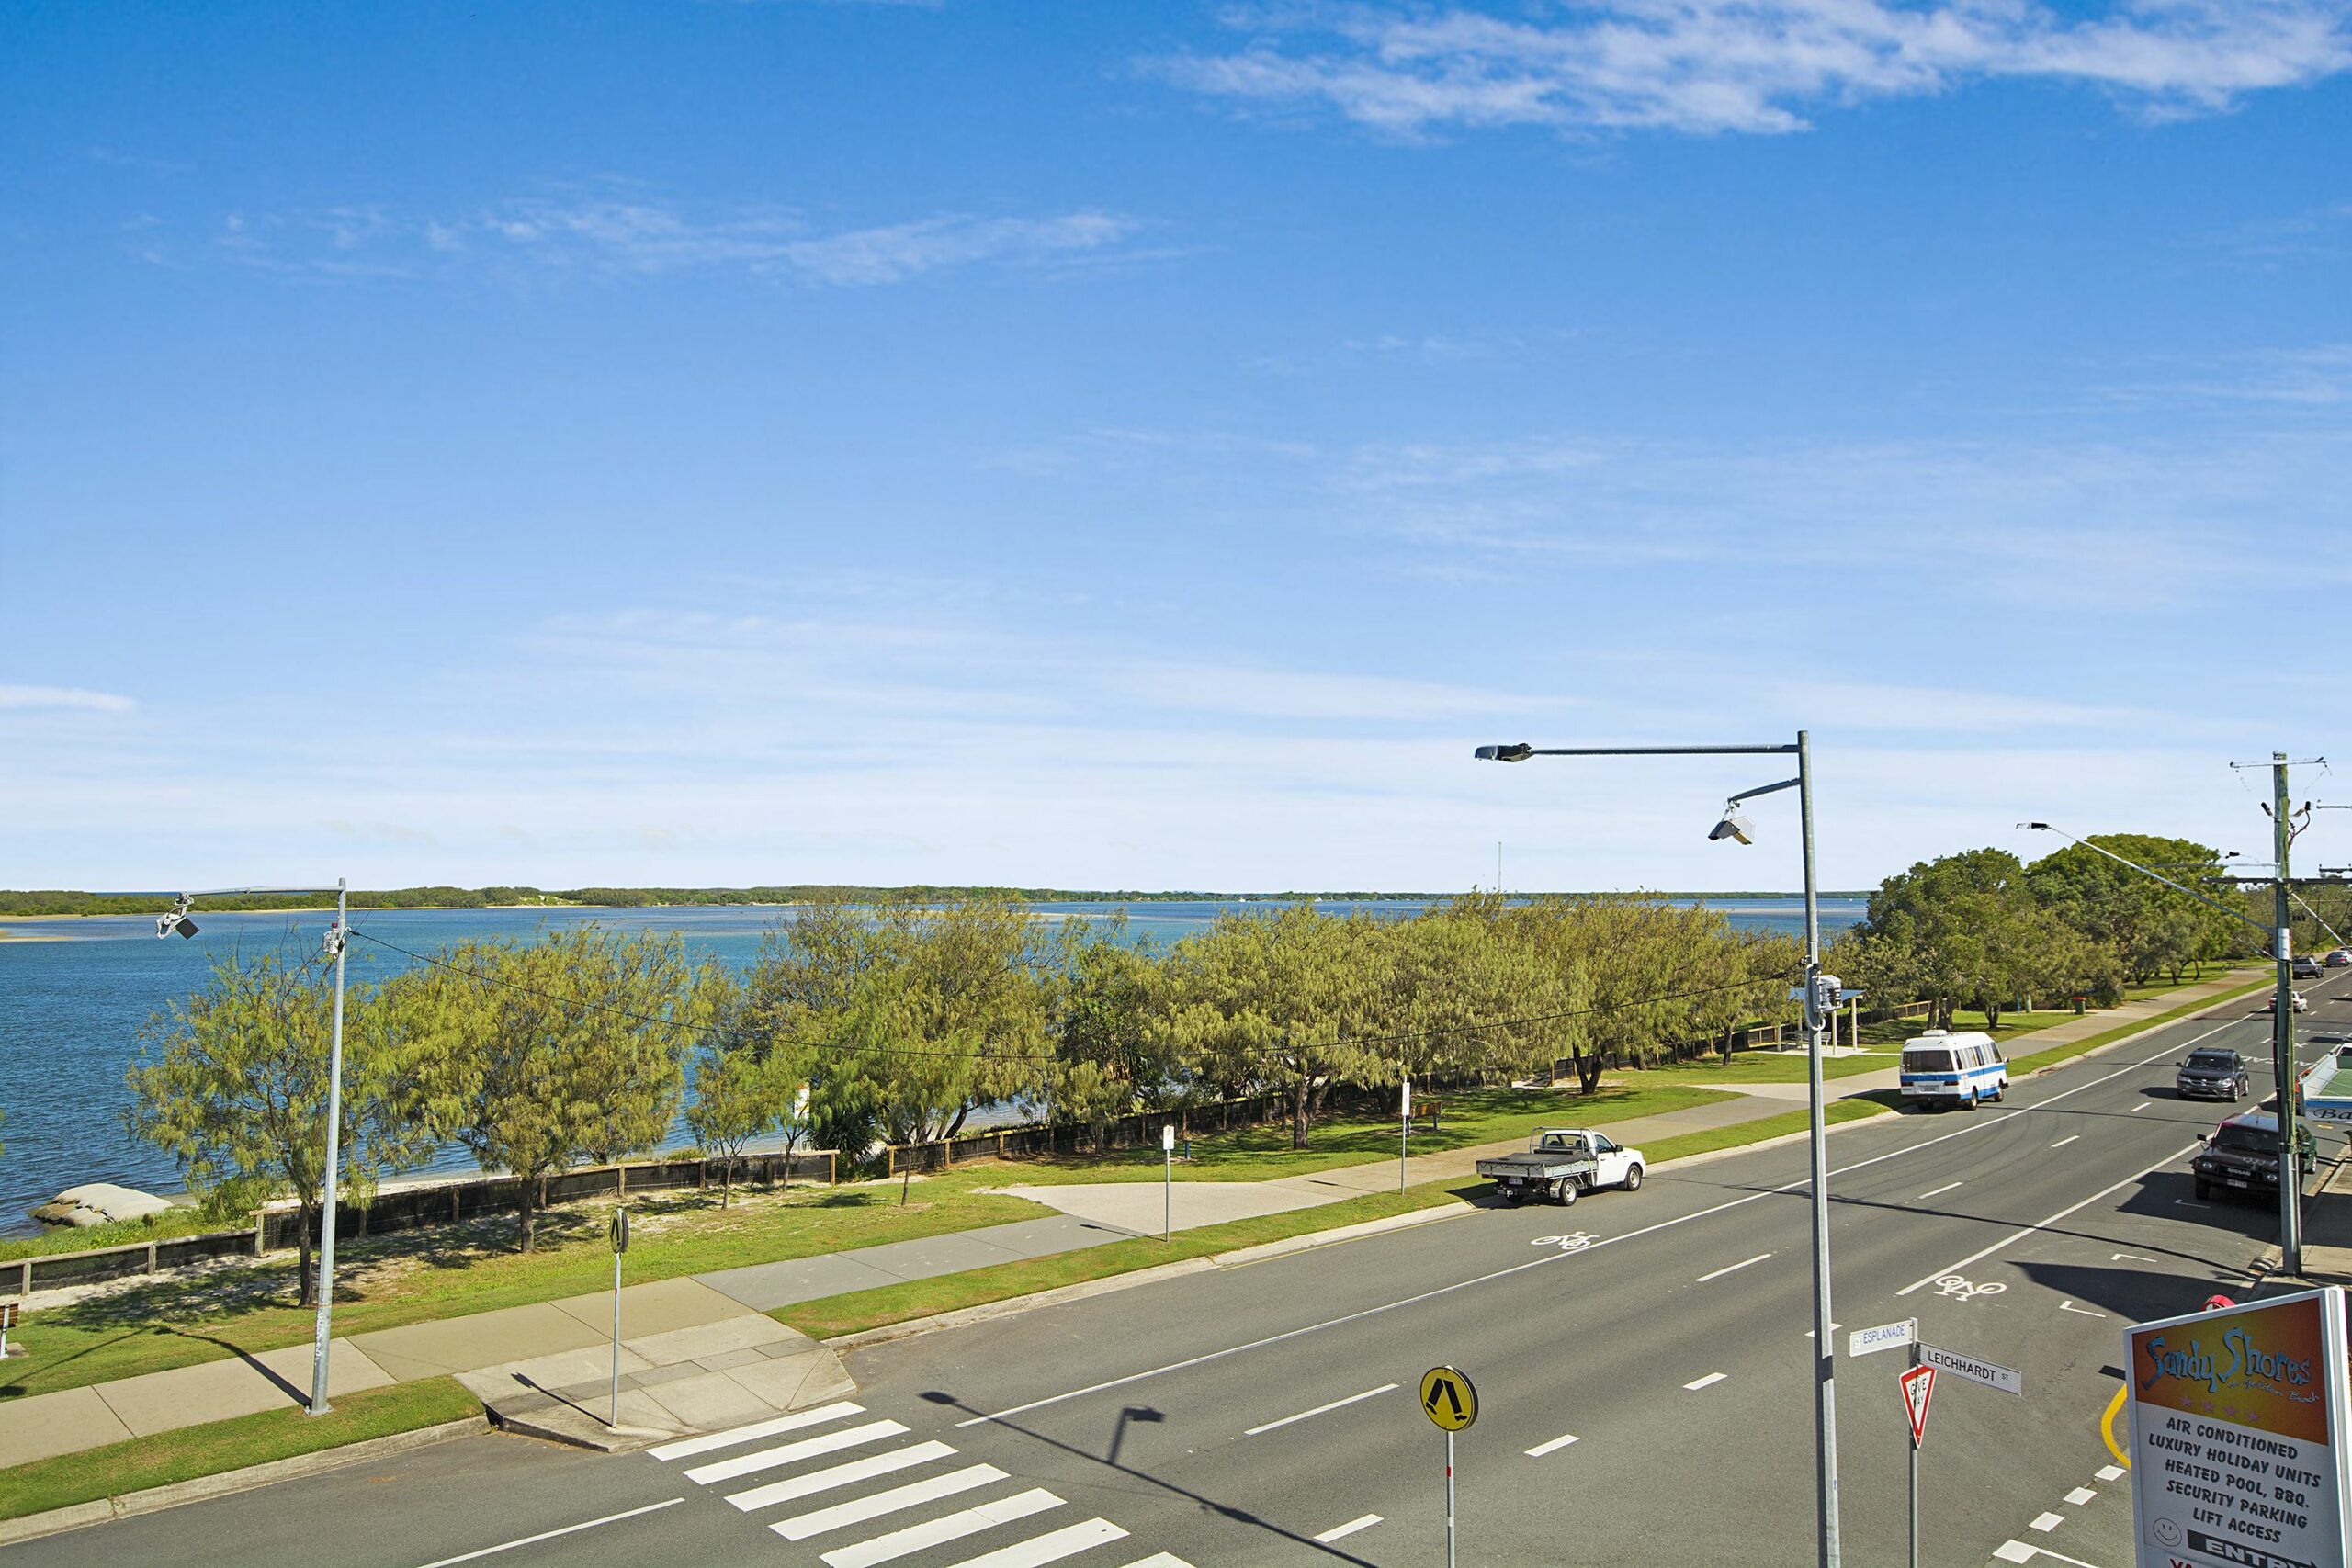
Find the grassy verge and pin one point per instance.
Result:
(1741, 1133)
(2021, 1065)
(180, 1221)
(833, 1315)
(1469, 1118)
(217, 1446)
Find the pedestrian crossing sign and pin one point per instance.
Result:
(1448, 1399)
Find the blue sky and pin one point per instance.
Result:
(1148, 446)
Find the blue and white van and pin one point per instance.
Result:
(1943, 1068)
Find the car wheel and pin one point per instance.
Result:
(1971, 1100)
(1633, 1179)
(1564, 1191)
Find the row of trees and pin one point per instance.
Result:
(859, 1025)
(1984, 929)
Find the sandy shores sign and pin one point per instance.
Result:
(2238, 1421)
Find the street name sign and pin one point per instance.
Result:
(1448, 1399)
(1969, 1367)
(1885, 1337)
(1918, 1385)
(2238, 1435)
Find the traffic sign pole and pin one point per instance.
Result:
(1915, 1474)
(1405, 1132)
(1448, 1497)
(620, 1244)
(1168, 1181)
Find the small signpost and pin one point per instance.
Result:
(7, 1322)
(620, 1244)
(1404, 1131)
(1448, 1399)
(1918, 1383)
(1168, 1181)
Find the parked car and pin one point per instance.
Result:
(2305, 968)
(2243, 1156)
(2341, 958)
(2212, 1074)
(2302, 1002)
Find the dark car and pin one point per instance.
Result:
(2212, 1074)
(2305, 968)
(2243, 1156)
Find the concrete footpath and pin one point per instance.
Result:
(701, 1352)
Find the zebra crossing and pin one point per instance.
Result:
(815, 1445)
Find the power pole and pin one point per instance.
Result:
(2282, 1033)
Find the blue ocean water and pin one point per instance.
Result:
(71, 1011)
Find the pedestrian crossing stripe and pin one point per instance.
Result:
(1065, 1541)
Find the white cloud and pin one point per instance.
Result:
(18, 698)
(1711, 66)
(641, 236)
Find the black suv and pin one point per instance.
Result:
(2212, 1074)
(2243, 1156)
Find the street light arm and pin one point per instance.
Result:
(1747, 795)
(2219, 908)
(1521, 751)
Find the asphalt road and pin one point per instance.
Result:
(1642, 1358)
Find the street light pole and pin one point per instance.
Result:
(1734, 826)
(2282, 1034)
(338, 939)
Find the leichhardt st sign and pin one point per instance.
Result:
(2238, 1436)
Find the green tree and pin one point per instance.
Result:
(566, 1049)
(2148, 928)
(1109, 1059)
(1962, 931)
(232, 1083)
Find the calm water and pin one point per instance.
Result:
(71, 1011)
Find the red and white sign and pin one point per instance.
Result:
(1918, 1387)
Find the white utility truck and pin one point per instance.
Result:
(1562, 1162)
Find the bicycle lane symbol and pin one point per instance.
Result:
(1576, 1243)
(1952, 1285)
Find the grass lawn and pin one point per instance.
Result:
(138, 1463)
(1469, 1117)
(834, 1315)
(185, 1221)
(2026, 1064)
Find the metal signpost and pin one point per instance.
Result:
(1918, 1385)
(620, 1244)
(1448, 1399)
(7, 1322)
(1404, 1132)
(1168, 1181)
(2238, 1420)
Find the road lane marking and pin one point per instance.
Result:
(2019, 1551)
(1732, 1269)
(2024, 1231)
(733, 1435)
(839, 1475)
(2068, 1306)
(551, 1535)
(2141, 1106)
(1320, 1409)
(1160, 1560)
(1338, 1531)
(2080, 1496)
(791, 1454)
(1695, 1384)
(2047, 1522)
(1287, 1334)
(1067, 1541)
(2111, 1472)
(2064, 1142)
(1939, 1192)
(873, 1506)
(1555, 1445)
(2135, 1257)
(939, 1531)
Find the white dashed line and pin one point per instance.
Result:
(2047, 1522)
(2024, 1231)
(551, 1535)
(1709, 1380)
(1732, 1269)
(1321, 1409)
(2068, 1306)
(2080, 1496)
(2141, 1106)
(2111, 1472)
(1338, 1531)
(2064, 1142)
(1939, 1192)
(1555, 1445)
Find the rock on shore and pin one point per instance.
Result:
(98, 1203)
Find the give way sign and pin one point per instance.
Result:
(1918, 1387)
